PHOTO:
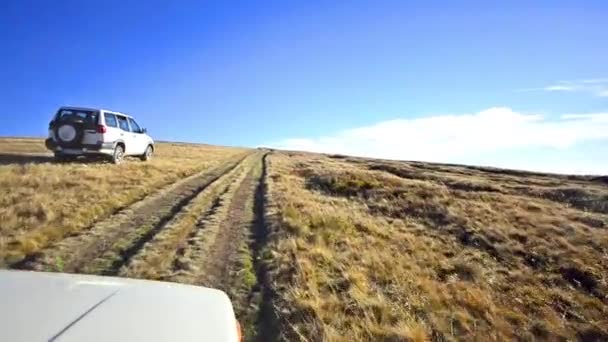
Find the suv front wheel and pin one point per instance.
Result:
(118, 155)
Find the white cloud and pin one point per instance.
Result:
(591, 118)
(597, 87)
(561, 87)
(477, 138)
(595, 80)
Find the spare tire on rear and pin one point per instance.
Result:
(68, 134)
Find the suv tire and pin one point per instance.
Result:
(148, 153)
(118, 155)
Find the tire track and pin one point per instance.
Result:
(266, 323)
(225, 250)
(233, 231)
(159, 253)
(141, 221)
(193, 263)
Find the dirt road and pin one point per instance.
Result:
(203, 230)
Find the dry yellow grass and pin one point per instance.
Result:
(370, 250)
(23, 146)
(41, 201)
(357, 249)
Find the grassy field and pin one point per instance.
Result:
(191, 215)
(42, 201)
(313, 247)
(370, 250)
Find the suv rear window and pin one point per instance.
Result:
(88, 116)
(110, 120)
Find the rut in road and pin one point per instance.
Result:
(120, 231)
(160, 255)
(206, 255)
(223, 251)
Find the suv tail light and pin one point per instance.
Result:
(101, 129)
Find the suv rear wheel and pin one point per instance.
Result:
(148, 153)
(118, 155)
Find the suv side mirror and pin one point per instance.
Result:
(143, 131)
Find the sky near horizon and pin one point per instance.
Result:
(522, 84)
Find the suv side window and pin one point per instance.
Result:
(134, 126)
(123, 123)
(110, 120)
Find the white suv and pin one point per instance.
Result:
(76, 131)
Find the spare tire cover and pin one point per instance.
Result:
(66, 133)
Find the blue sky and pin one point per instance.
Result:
(306, 75)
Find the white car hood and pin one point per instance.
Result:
(36, 306)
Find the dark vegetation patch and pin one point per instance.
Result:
(566, 309)
(467, 170)
(461, 270)
(400, 171)
(424, 204)
(521, 238)
(301, 170)
(540, 330)
(387, 197)
(523, 173)
(408, 173)
(591, 221)
(593, 334)
(344, 185)
(475, 240)
(421, 204)
(471, 186)
(349, 183)
(601, 179)
(579, 278)
(533, 259)
(578, 198)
